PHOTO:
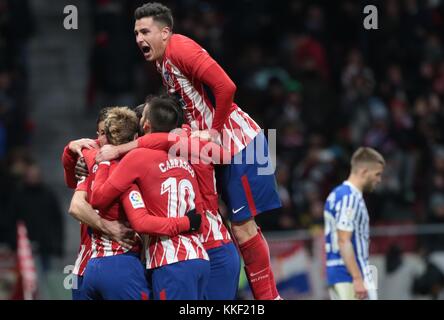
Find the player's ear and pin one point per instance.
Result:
(166, 31)
(146, 126)
(364, 171)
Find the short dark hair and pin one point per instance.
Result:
(139, 113)
(180, 114)
(162, 115)
(139, 110)
(102, 115)
(157, 11)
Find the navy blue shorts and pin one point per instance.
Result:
(224, 274)
(184, 280)
(77, 290)
(120, 277)
(248, 185)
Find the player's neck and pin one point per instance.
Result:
(356, 182)
(167, 41)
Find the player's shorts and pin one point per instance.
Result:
(342, 291)
(248, 185)
(224, 274)
(184, 280)
(346, 291)
(77, 290)
(119, 277)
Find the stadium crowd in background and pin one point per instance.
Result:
(308, 69)
(327, 85)
(23, 194)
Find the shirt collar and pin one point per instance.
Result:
(351, 185)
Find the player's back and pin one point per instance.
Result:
(169, 188)
(101, 244)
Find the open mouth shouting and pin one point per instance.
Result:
(146, 50)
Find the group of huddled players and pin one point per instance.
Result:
(149, 211)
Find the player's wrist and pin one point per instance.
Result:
(357, 278)
(100, 225)
(184, 224)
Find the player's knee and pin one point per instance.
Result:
(244, 231)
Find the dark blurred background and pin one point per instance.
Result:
(305, 68)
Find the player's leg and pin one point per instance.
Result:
(123, 278)
(77, 290)
(224, 274)
(184, 280)
(342, 291)
(91, 278)
(202, 271)
(249, 189)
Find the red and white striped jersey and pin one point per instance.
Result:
(85, 240)
(214, 232)
(101, 244)
(183, 64)
(169, 188)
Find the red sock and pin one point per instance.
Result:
(274, 291)
(257, 267)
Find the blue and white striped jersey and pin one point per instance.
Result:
(345, 209)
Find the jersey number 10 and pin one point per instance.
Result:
(180, 196)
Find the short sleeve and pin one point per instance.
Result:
(347, 213)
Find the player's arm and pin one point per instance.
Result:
(345, 228)
(198, 64)
(69, 160)
(70, 156)
(195, 148)
(348, 255)
(109, 152)
(108, 187)
(223, 89)
(155, 141)
(142, 222)
(82, 211)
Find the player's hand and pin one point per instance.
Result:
(81, 169)
(119, 232)
(195, 220)
(107, 153)
(360, 290)
(207, 135)
(76, 146)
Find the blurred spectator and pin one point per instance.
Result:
(430, 283)
(35, 204)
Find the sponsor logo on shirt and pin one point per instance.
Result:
(136, 200)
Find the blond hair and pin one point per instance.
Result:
(121, 125)
(366, 156)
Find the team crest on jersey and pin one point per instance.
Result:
(349, 213)
(168, 79)
(136, 200)
(94, 168)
